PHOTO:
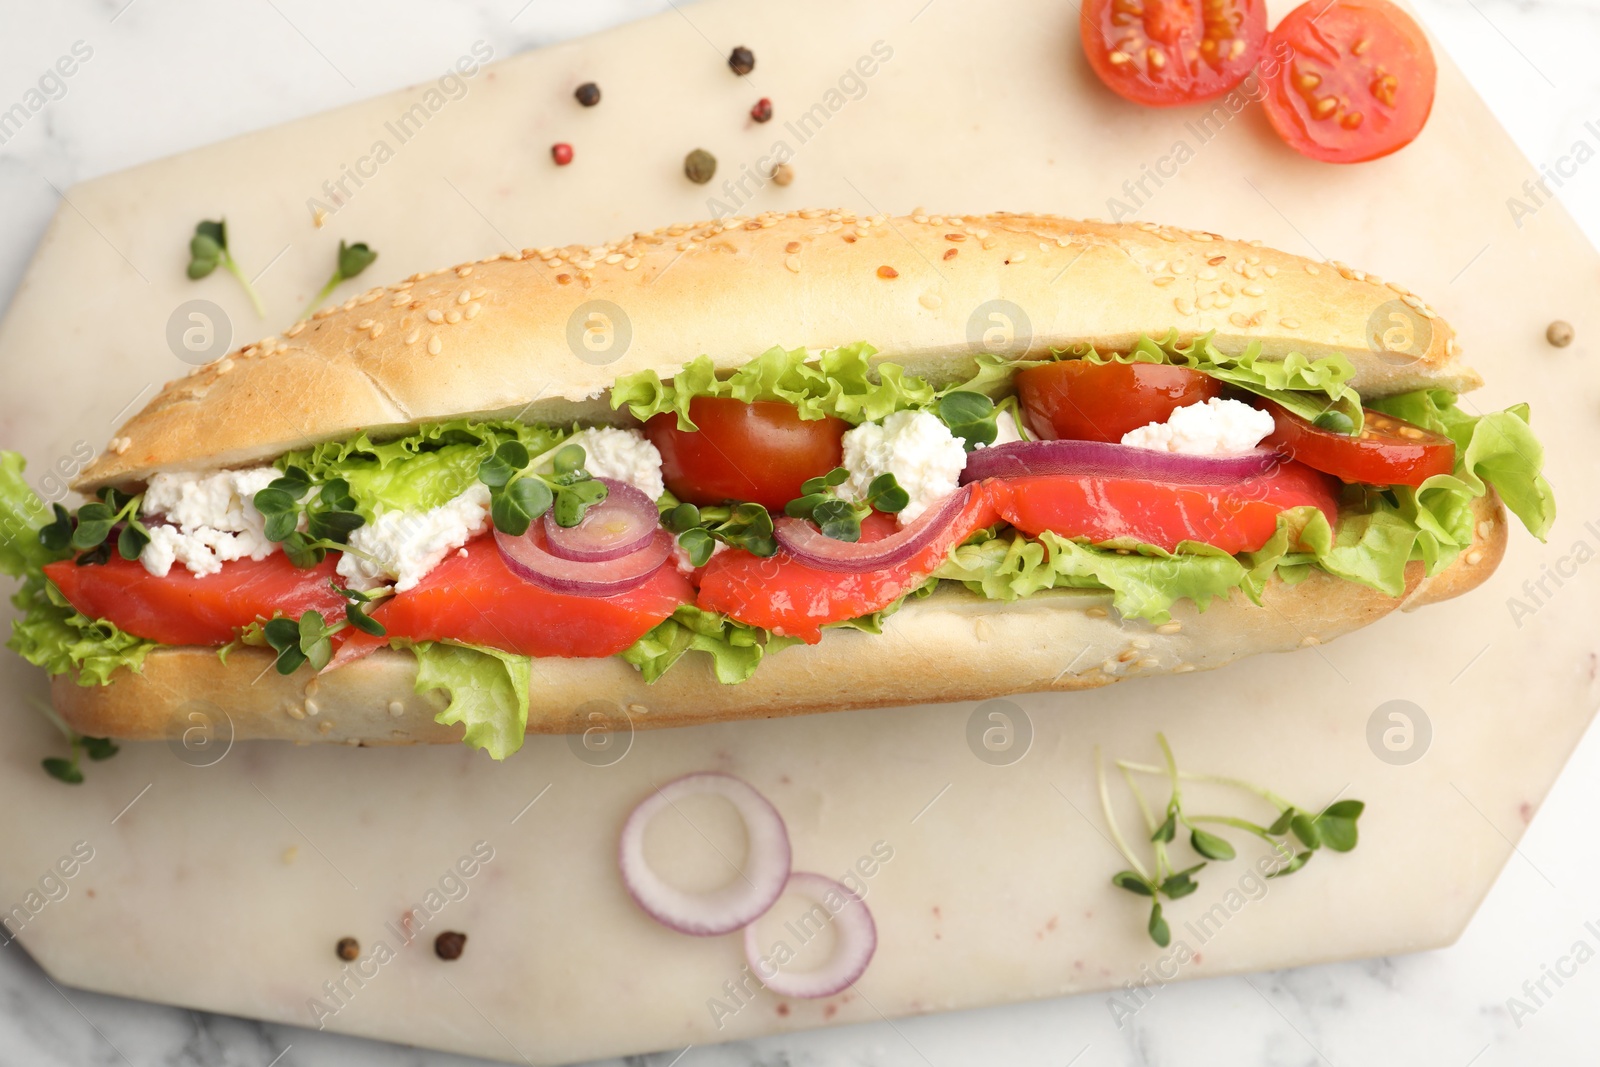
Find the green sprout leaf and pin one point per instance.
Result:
(99, 748)
(1160, 933)
(970, 416)
(1210, 845)
(63, 770)
(208, 249)
(1293, 865)
(1132, 883)
(886, 495)
(1168, 830)
(1305, 828)
(351, 261)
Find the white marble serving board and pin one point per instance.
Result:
(224, 887)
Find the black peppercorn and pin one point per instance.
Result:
(348, 948)
(699, 166)
(449, 945)
(741, 60)
(588, 94)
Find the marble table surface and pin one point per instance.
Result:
(168, 75)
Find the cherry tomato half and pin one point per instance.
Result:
(1388, 451)
(761, 452)
(1162, 53)
(1358, 84)
(1075, 400)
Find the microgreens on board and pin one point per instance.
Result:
(838, 518)
(518, 495)
(208, 249)
(1334, 827)
(353, 259)
(68, 770)
(746, 526)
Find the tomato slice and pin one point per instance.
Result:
(1388, 451)
(181, 609)
(1359, 82)
(794, 599)
(761, 452)
(1167, 52)
(1076, 400)
(475, 599)
(1234, 518)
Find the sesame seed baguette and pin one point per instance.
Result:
(501, 337)
(954, 645)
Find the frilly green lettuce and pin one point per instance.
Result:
(840, 381)
(736, 649)
(420, 471)
(488, 691)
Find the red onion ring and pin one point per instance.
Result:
(802, 540)
(740, 902)
(529, 558)
(1098, 459)
(619, 524)
(855, 940)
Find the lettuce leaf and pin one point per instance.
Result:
(736, 648)
(1307, 387)
(420, 471)
(1144, 581)
(22, 513)
(841, 382)
(1497, 449)
(54, 635)
(488, 691)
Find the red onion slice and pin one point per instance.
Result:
(740, 902)
(619, 524)
(802, 540)
(529, 558)
(1099, 459)
(855, 940)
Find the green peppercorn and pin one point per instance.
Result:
(700, 166)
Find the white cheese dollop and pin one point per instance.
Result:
(1213, 428)
(916, 447)
(626, 455)
(209, 520)
(409, 544)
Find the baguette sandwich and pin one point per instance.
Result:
(559, 487)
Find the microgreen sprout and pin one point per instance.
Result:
(329, 516)
(309, 639)
(68, 770)
(519, 492)
(973, 417)
(838, 518)
(1334, 827)
(746, 526)
(89, 531)
(353, 259)
(208, 249)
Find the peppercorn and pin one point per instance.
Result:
(782, 174)
(762, 112)
(588, 94)
(449, 945)
(348, 948)
(1559, 334)
(742, 61)
(699, 166)
(561, 153)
